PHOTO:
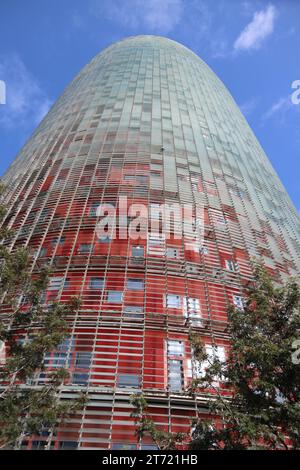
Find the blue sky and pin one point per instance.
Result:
(253, 46)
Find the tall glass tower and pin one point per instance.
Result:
(145, 120)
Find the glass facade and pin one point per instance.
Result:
(148, 120)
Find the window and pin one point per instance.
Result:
(216, 351)
(135, 284)
(142, 179)
(44, 431)
(128, 380)
(65, 445)
(175, 351)
(137, 251)
(59, 360)
(230, 265)
(173, 253)
(24, 299)
(191, 305)
(83, 360)
(80, 378)
(44, 215)
(129, 178)
(38, 445)
(210, 186)
(218, 218)
(238, 301)
(41, 379)
(104, 239)
(2, 353)
(23, 341)
(59, 241)
(85, 248)
(43, 252)
(149, 447)
(59, 357)
(134, 311)
(203, 250)
(237, 192)
(213, 352)
(122, 446)
(56, 283)
(175, 348)
(114, 296)
(66, 345)
(192, 310)
(175, 375)
(173, 301)
(96, 283)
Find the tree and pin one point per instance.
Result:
(146, 426)
(28, 330)
(261, 374)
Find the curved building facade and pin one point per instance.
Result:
(147, 121)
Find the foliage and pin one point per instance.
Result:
(145, 425)
(28, 330)
(263, 409)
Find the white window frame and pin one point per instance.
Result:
(231, 265)
(192, 310)
(56, 283)
(238, 301)
(173, 301)
(175, 348)
(172, 252)
(178, 377)
(212, 351)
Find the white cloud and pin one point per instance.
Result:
(261, 26)
(156, 15)
(26, 103)
(279, 110)
(281, 105)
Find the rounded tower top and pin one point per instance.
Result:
(147, 93)
(148, 41)
(151, 40)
